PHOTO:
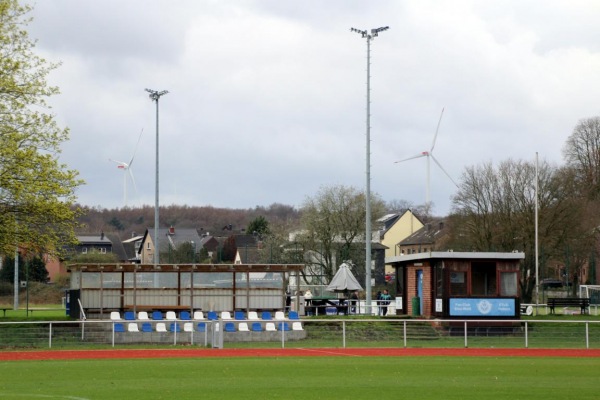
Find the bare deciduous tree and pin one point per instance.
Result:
(582, 153)
(494, 210)
(334, 228)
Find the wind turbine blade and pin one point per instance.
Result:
(442, 168)
(133, 181)
(136, 147)
(423, 154)
(436, 131)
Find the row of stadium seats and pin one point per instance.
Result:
(199, 316)
(201, 327)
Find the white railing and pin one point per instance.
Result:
(306, 332)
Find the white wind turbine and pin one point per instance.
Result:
(429, 155)
(126, 167)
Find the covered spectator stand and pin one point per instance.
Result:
(102, 288)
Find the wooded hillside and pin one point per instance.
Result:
(127, 221)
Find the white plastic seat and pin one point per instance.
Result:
(115, 316)
(198, 315)
(161, 327)
(253, 316)
(171, 316)
(297, 326)
(188, 327)
(143, 316)
(270, 327)
(225, 315)
(243, 327)
(279, 316)
(133, 327)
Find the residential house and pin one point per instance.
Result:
(132, 248)
(92, 243)
(169, 240)
(395, 228)
(430, 237)
(246, 249)
(211, 244)
(54, 267)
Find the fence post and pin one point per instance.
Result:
(50, 336)
(587, 334)
(466, 344)
(404, 334)
(344, 334)
(526, 335)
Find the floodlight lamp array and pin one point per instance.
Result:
(375, 32)
(362, 33)
(155, 94)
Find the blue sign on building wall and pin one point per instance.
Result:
(482, 307)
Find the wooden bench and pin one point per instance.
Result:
(582, 302)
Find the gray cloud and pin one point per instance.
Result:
(267, 98)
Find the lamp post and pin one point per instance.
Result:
(537, 258)
(368, 235)
(155, 95)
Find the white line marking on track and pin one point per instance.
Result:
(330, 352)
(45, 396)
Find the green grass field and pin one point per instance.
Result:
(304, 378)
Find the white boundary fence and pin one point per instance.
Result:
(334, 332)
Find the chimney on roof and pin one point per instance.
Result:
(102, 235)
(171, 230)
(133, 234)
(441, 226)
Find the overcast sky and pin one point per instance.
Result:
(267, 99)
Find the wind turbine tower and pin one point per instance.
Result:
(126, 168)
(430, 156)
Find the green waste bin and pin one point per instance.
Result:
(416, 306)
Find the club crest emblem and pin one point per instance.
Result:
(484, 307)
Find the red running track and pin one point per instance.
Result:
(295, 352)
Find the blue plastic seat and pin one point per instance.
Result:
(157, 315)
(146, 327)
(256, 327)
(119, 327)
(129, 316)
(212, 316)
(229, 327)
(293, 315)
(283, 326)
(201, 326)
(239, 315)
(174, 327)
(266, 316)
(185, 316)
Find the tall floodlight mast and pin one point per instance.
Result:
(368, 235)
(155, 95)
